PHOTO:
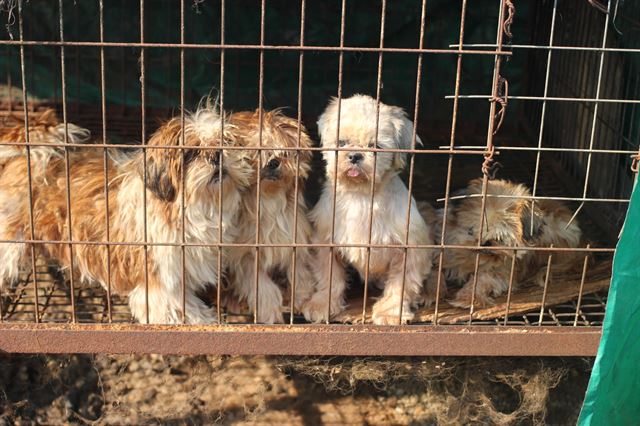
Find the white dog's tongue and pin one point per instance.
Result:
(353, 172)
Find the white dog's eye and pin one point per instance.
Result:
(342, 143)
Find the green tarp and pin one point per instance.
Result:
(613, 397)
(282, 27)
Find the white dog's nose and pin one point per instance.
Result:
(355, 157)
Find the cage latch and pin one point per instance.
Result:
(635, 159)
(502, 99)
(489, 166)
(506, 24)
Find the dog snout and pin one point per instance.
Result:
(215, 159)
(271, 170)
(273, 164)
(355, 157)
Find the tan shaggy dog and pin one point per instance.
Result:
(44, 128)
(277, 173)
(163, 192)
(509, 222)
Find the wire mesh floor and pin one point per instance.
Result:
(54, 306)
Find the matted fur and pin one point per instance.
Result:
(353, 206)
(44, 127)
(126, 194)
(508, 223)
(277, 205)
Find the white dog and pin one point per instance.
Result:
(353, 205)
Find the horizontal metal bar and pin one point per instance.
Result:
(324, 245)
(545, 149)
(251, 47)
(546, 47)
(538, 197)
(550, 98)
(318, 339)
(243, 148)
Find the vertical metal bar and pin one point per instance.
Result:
(144, 163)
(546, 286)
(335, 168)
(413, 155)
(544, 110)
(597, 104)
(375, 157)
(454, 122)
(296, 184)
(29, 174)
(220, 187)
(9, 82)
(123, 57)
(510, 290)
(260, 120)
(490, 131)
(105, 159)
(66, 164)
(582, 279)
(77, 63)
(183, 221)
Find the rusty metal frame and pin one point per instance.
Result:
(323, 339)
(300, 340)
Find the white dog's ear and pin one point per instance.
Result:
(404, 136)
(328, 117)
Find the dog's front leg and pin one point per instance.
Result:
(305, 280)
(164, 301)
(492, 282)
(269, 294)
(395, 307)
(328, 299)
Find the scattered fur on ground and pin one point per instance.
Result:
(153, 389)
(501, 391)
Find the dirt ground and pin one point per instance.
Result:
(150, 390)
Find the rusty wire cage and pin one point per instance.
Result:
(542, 93)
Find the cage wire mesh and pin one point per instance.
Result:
(540, 93)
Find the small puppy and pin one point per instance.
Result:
(508, 222)
(44, 128)
(355, 172)
(163, 192)
(277, 206)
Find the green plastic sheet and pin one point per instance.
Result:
(612, 396)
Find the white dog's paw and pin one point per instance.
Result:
(270, 316)
(317, 308)
(201, 316)
(387, 312)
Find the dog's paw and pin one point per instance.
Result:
(270, 316)
(316, 309)
(462, 299)
(201, 316)
(387, 312)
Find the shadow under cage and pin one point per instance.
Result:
(539, 93)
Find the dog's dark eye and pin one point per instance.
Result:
(490, 243)
(216, 158)
(190, 155)
(273, 164)
(342, 143)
